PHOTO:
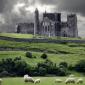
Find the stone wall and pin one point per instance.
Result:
(40, 40)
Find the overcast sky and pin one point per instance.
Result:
(15, 11)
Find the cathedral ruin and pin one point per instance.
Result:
(51, 25)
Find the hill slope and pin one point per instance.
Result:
(69, 52)
(57, 52)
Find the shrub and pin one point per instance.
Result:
(80, 66)
(17, 58)
(4, 74)
(47, 64)
(34, 71)
(62, 69)
(62, 72)
(44, 56)
(29, 54)
(13, 67)
(71, 67)
(42, 71)
(51, 68)
(64, 64)
(20, 67)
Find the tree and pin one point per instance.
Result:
(42, 71)
(80, 66)
(44, 56)
(29, 54)
(64, 64)
(20, 67)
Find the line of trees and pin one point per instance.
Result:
(18, 67)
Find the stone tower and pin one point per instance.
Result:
(36, 22)
(58, 24)
(72, 25)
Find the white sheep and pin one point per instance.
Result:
(0, 81)
(71, 75)
(25, 76)
(58, 81)
(80, 81)
(37, 81)
(70, 80)
(28, 79)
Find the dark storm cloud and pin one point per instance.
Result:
(72, 6)
(64, 5)
(67, 5)
(6, 5)
(2, 5)
(49, 2)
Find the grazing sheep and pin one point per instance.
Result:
(58, 81)
(80, 81)
(0, 81)
(71, 75)
(28, 79)
(70, 80)
(37, 81)
(25, 76)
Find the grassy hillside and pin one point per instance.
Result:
(18, 35)
(15, 35)
(68, 52)
(56, 58)
(68, 48)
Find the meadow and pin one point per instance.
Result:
(19, 35)
(68, 48)
(57, 53)
(44, 81)
(56, 58)
(15, 35)
(68, 52)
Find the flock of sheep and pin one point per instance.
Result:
(71, 79)
(30, 79)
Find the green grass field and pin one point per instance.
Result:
(69, 48)
(44, 81)
(18, 35)
(69, 52)
(56, 58)
(15, 35)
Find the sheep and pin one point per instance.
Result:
(70, 80)
(80, 81)
(0, 81)
(58, 81)
(25, 76)
(37, 81)
(71, 75)
(28, 79)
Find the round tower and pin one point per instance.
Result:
(36, 22)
